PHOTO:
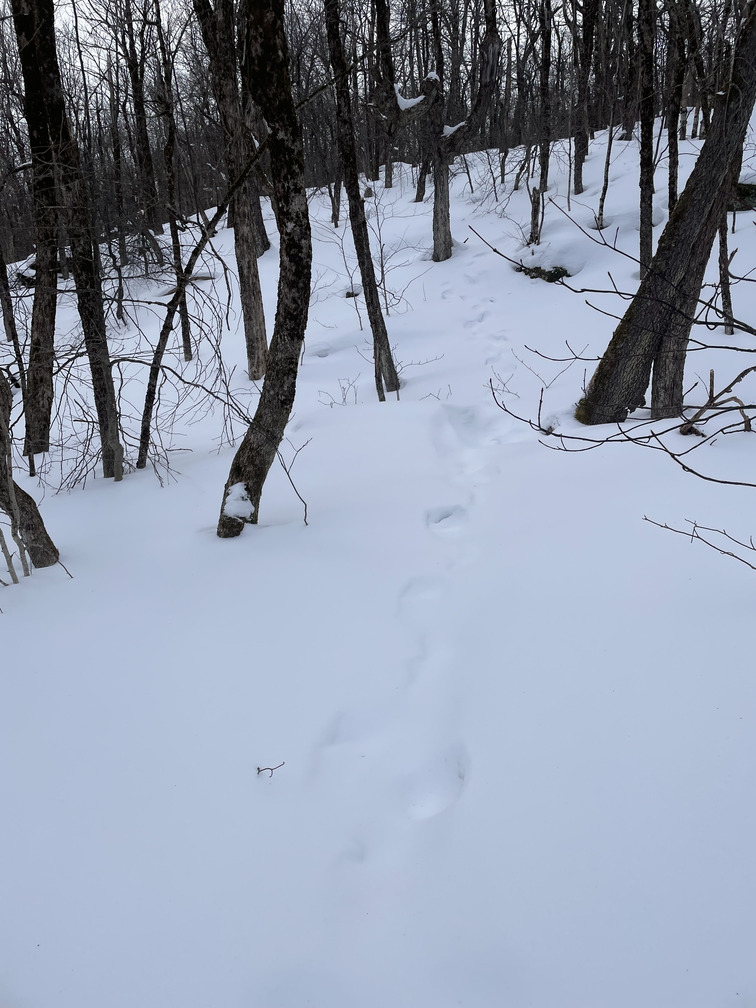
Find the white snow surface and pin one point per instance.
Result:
(508, 725)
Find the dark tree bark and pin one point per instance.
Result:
(75, 199)
(30, 33)
(265, 63)
(26, 521)
(646, 32)
(544, 120)
(148, 200)
(386, 377)
(584, 39)
(676, 67)
(655, 329)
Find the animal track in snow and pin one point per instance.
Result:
(446, 520)
(321, 350)
(460, 434)
(480, 317)
(418, 599)
(438, 784)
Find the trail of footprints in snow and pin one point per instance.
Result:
(427, 776)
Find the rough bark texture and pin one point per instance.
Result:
(87, 278)
(265, 63)
(584, 51)
(646, 25)
(26, 521)
(30, 34)
(386, 377)
(655, 329)
(217, 25)
(676, 74)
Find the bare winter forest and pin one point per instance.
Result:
(133, 131)
(466, 715)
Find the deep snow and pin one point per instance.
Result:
(516, 722)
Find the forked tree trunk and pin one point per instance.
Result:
(265, 64)
(655, 329)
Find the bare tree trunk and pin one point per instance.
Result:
(26, 521)
(446, 145)
(265, 64)
(147, 190)
(676, 73)
(39, 391)
(165, 102)
(544, 120)
(65, 154)
(386, 377)
(646, 26)
(217, 25)
(655, 329)
(724, 277)
(584, 40)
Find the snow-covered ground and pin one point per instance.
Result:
(513, 724)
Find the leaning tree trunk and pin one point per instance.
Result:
(26, 522)
(386, 377)
(266, 66)
(655, 329)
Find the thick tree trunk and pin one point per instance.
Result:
(26, 521)
(266, 66)
(39, 390)
(655, 329)
(386, 377)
